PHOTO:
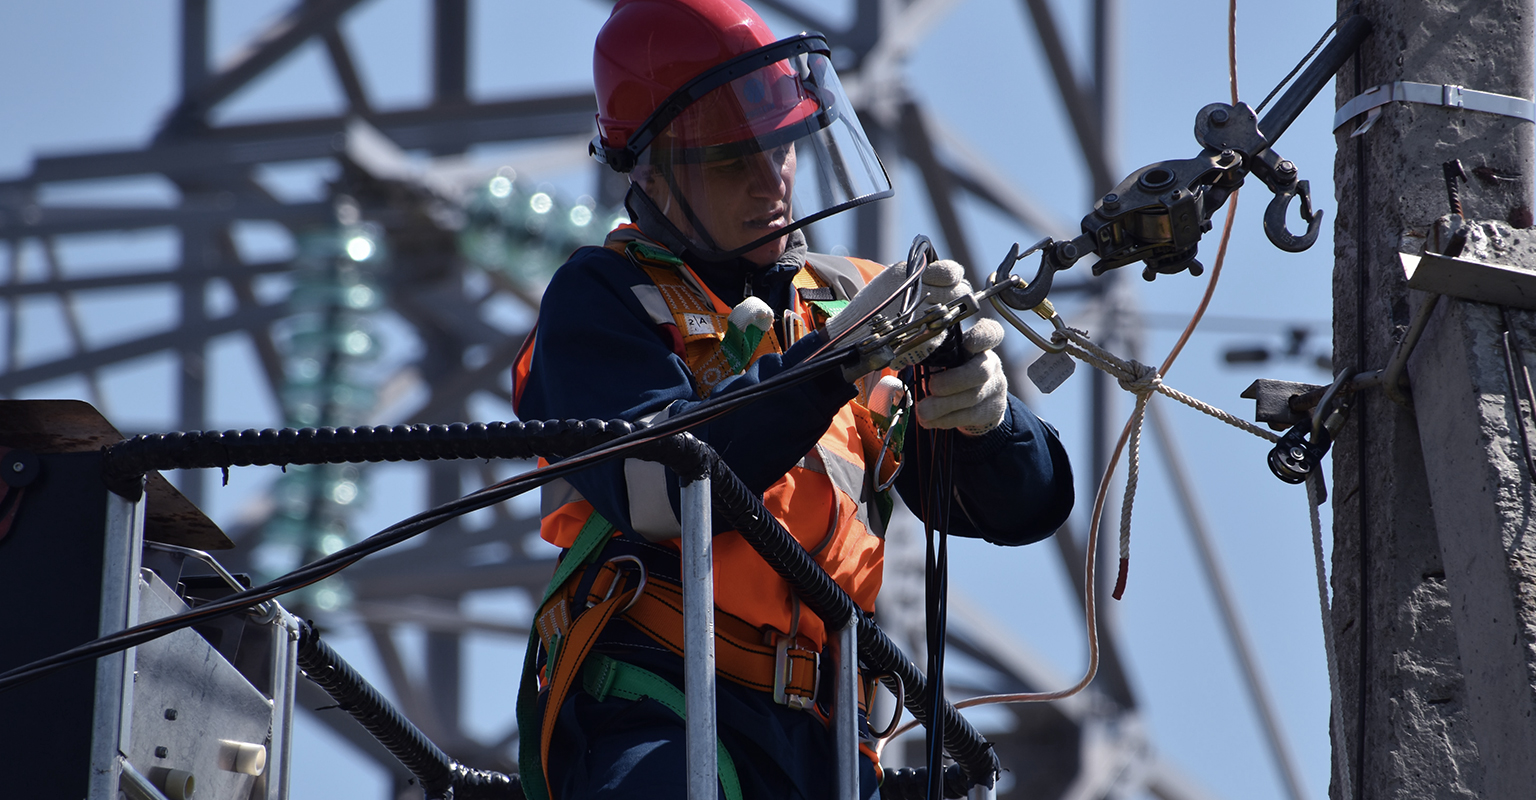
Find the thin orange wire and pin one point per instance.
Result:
(1090, 595)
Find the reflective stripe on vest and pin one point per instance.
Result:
(821, 500)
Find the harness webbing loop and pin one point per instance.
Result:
(605, 677)
(532, 762)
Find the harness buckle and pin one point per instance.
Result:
(786, 690)
(611, 570)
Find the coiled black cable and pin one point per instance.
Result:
(357, 697)
(125, 463)
(439, 775)
(745, 512)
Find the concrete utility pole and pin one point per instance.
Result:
(1434, 514)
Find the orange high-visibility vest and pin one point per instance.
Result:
(821, 500)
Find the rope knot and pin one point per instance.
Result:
(1143, 379)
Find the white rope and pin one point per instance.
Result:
(1140, 380)
(1315, 492)
(1130, 376)
(1132, 472)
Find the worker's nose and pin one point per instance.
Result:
(766, 177)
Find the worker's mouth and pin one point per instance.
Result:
(769, 222)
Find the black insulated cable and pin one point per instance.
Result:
(908, 783)
(124, 465)
(1352, 31)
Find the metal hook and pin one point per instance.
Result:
(1274, 219)
(1025, 293)
(901, 701)
(1048, 345)
(1031, 293)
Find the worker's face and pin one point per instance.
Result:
(737, 201)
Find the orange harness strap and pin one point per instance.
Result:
(565, 668)
(789, 672)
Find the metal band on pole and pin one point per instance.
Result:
(699, 639)
(1448, 95)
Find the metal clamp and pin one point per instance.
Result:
(1302, 448)
(897, 421)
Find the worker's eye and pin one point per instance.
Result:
(735, 166)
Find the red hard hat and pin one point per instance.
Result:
(648, 50)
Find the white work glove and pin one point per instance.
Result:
(973, 396)
(942, 282)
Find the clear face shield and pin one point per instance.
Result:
(757, 147)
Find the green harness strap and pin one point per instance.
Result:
(589, 542)
(604, 677)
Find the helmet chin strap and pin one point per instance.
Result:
(643, 210)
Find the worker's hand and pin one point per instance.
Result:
(942, 282)
(973, 396)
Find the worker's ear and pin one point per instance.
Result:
(648, 179)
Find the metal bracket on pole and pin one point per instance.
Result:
(845, 718)
(699, 639)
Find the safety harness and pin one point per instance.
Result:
(587, 593)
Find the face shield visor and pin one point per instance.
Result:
(753, 149)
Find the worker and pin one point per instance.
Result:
(732, 141)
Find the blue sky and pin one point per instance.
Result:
(78, 75)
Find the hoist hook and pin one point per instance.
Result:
(1054, 257)
(1274, 217)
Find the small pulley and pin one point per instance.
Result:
(1300, 451)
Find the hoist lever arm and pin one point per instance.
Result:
(1348, 37)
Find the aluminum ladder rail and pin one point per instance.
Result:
(699, 660)
(699, 663)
